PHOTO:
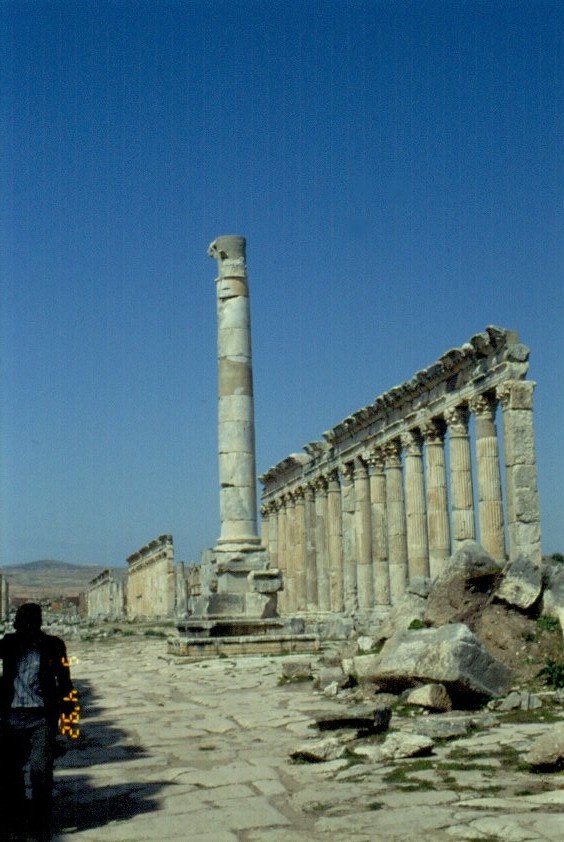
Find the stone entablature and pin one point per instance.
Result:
(391, 491)
(151, 581)
(105, 597)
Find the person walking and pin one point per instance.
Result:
(35, 690)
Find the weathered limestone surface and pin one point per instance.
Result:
(151, 586)
(451, 655)
(384, 469)
(522, 584)
(175, 750)
(236, 430)
(4, 598)
(105, 597)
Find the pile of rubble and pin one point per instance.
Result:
(462, 651)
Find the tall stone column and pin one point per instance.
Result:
(490, 505)
(310, 548)
(437, 498)
(349, 539)
(363, 530)
(323, 586)
(335, 541)
(462, 496)
(378, 519)
(523, 509)
(301, 581)
(283, 596)
(264, 525)
(417, 539)
(273, 533)
(236, 431)
(290, 584)
(397, 528)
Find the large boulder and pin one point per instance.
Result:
(463, 587)
(521, 585)
(547, 751)
(451, 655)
(553, 596)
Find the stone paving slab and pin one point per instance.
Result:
(172, 750)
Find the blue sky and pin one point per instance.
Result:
(396, 167)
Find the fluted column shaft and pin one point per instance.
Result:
(264, 526)
(416, 511)
(437, 498)
(310, 548)
(462, 496)
(290, 586)
(363, 530)
(273, 533)
(397, 528)
(349, 539)
(282, 555)
(490, 505)
(523, 509)
(378, 518)
(334, 542)
(323, 586)
(301, 584)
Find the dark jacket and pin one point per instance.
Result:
(54, 674)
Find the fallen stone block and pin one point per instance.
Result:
(410, 608)
(371, 720)
(553, 596)
(396, 746)
(547, 751)
(319, 751)
(517, 700)
(444, 729)
(430, 696)
(296, 671)
(365, 643)
(521, 585)
(462, 586)
(451, 655)
(330, 675)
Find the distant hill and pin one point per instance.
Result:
(50, 578)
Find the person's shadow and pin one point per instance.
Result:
(78, 805)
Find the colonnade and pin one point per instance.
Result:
(352, 526)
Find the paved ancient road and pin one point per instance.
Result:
(200, 751)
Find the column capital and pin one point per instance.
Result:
(321, 484)
(299, 494)
(347, 470)
(483, 406)
(333, 480)
(433, 431)
(392, 453)
(516, 394)
(375, 460)
(360, 468)
(411, 441)
(309, 491)
(457, 418)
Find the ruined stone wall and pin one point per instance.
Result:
(395, 488)
(4, 598)
(105, 598)
(151, 581)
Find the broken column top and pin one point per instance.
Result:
(228, 247)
